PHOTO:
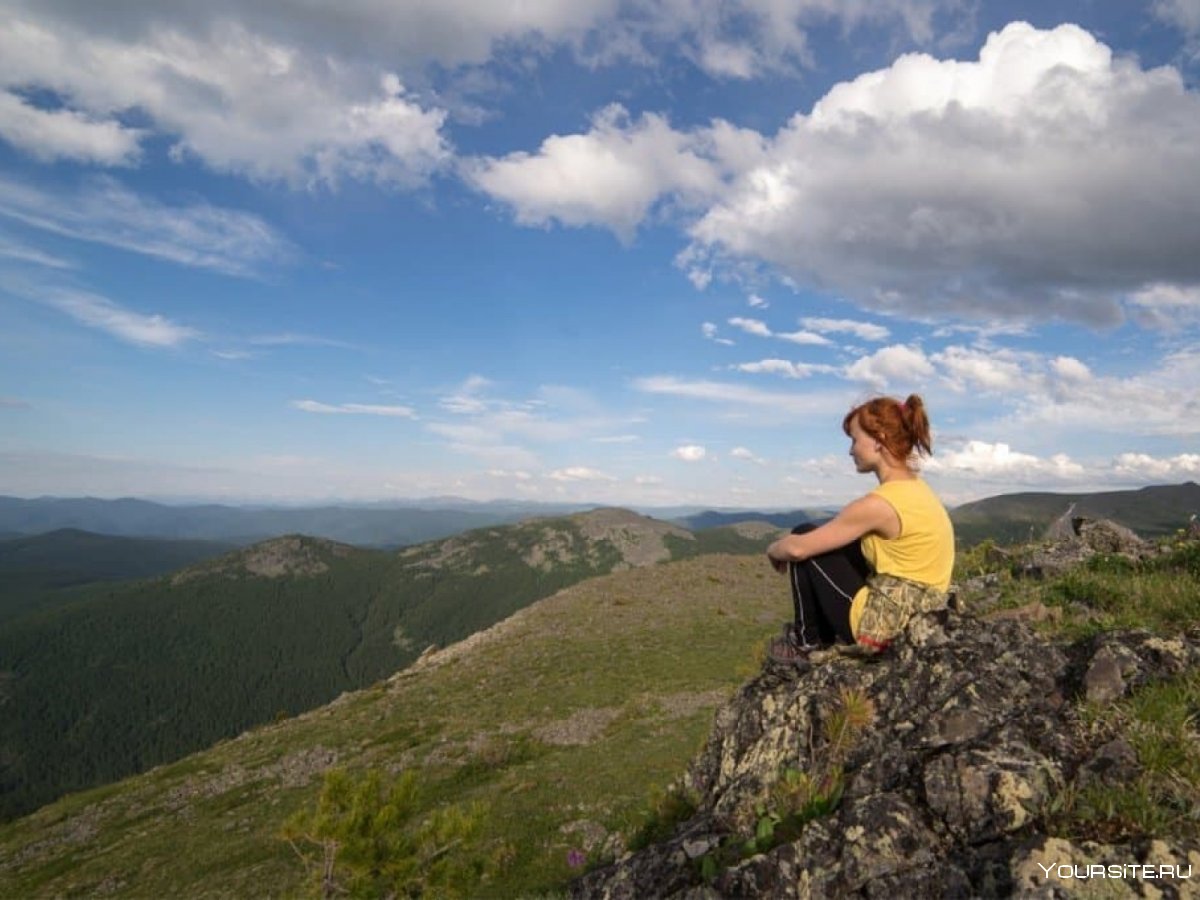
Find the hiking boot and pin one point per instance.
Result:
(788, 651)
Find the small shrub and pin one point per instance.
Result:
(667, 810)
(369, 838)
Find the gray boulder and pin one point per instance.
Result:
(969, 729)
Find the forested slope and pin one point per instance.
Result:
(130, 676)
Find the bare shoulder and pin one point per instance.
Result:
(872, 513)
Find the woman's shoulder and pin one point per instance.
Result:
(913, 490)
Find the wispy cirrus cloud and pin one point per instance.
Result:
(102, 211)
(103, 314)
(354, 409)
(20, 252)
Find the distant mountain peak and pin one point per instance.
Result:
(290, 555)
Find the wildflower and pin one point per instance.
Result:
(576, 858)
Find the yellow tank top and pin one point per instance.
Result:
(923, 552)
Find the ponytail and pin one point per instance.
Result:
(902, 428)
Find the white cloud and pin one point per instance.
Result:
(354, 409)
(103, 314)
(690, 452)
(807, 338)
(579, 473)
(1182, 14)
(611, 176)
(49, 135)
(1159, 401)
(104, 212)
(647, 480)
(991, 370)
(746, 454)
(709, 330)
(738, 396)
(1168, 307)
(895, 365)
(757, 302)
(238, 99)
(292, 339)
(940, 186)
(1071, 370)
(987, 460)
(466, 400)
(785, 368)
(751, 326)
(866, 331)
(20, 252)
(1142, 467)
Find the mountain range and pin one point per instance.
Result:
(108, 679)
(1150, 511)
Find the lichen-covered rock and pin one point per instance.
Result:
(968, 729)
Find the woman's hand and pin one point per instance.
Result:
(778, 557)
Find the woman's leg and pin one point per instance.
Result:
(822, 589)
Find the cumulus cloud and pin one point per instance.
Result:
(990, 370)
(895, 365)
(236, 99)
(104, 212)
(124, 324)
(1068, 397)
(987, 460)
(1070, 369)
(1168, 307)
(354, 409)
(1143, 467)
(942, 186)
(690, 452)
(49, 135)
(610, 176)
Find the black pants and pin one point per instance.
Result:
(823, 587)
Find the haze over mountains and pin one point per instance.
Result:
(1151, 511)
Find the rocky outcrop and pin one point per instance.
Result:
(968, 731)
(1073, 540)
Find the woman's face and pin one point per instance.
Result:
(864, 449)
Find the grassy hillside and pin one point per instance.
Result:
(35, 569)
(131, 676)
(548, 734)
(510, 760)
(1011, 518)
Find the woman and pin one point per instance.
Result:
(858, 577)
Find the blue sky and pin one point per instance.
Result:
(606, 251)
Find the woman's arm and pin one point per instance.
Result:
(865, 515)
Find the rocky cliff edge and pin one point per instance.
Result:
(941, 764)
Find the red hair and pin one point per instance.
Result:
(902, 428)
